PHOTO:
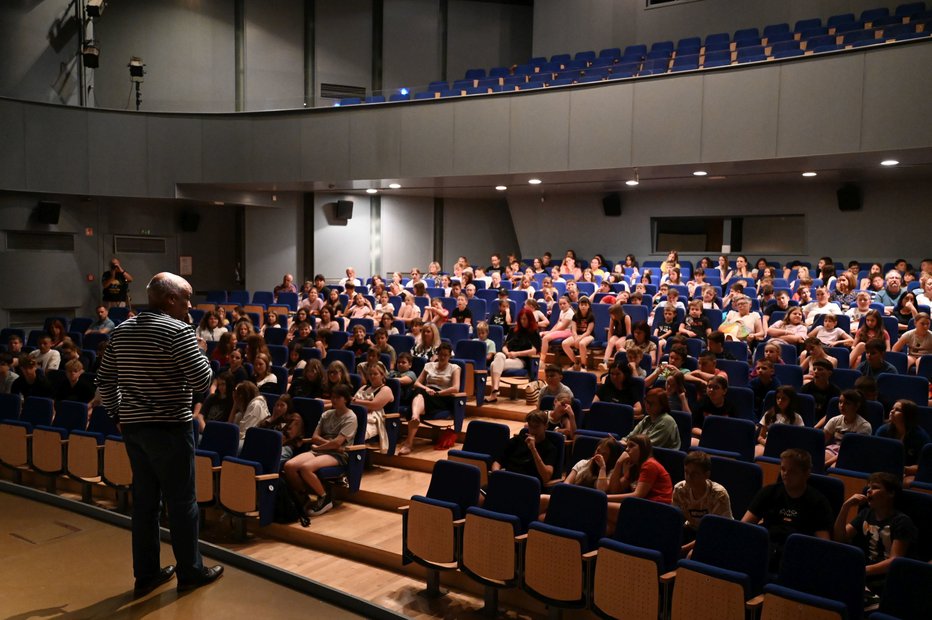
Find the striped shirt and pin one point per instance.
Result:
(150, 370)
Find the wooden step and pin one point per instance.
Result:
(373, 537)
(386, 488)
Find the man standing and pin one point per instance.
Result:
(116, 284)
(149, 371)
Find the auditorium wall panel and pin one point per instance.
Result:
(406, 236)
(487, 34)
(411, 44)
(274, 62)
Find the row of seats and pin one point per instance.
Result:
(775, 41)
(566, 561)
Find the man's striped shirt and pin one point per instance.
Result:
(150, 370)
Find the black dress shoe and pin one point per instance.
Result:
(144, 586)
(207, 576)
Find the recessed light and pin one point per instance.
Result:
(534, 181)
(372, 190)
(889, 162)
(394, 185)
(501, 188)
(631, 183)
(809, 174)
(700, 173)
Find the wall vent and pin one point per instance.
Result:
(341, 91)
(42, 241)
(138, 245)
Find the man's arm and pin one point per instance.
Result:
(107, 382)
(192, 362)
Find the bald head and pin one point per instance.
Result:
(171, 294)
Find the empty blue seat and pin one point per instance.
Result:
(586, 56)
(400, 97)
(782, 46)
(807, 24)
(747, 34)
(425, 95)
(848, 27)
(774, 29)
(474, 74)
(639, 50)
(685, 63)
(729, 437)
(610, 52)
(717, 41)
(753, 53)
(843, 18)
(719, 58)
(910, 9)
(450, 93)
(349, 101)
(872, 14)
(375, 99)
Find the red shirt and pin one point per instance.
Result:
(653, 473)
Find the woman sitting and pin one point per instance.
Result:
(561, 329)
(218, 405)
(618, 387)
(658, 424)
(583, 324)
(375, 396)
(521, 346)
(783, 411)
(262, 371)
(434, 391)
(210, 329)
(619, 328)
(310, 383)
(741, 324)
(337, 375)
(871, 327)
(426, 348)
(638, 474)
(249, 408)
(562, 418)
(288, 422)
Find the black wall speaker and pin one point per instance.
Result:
(344, 209)
(48, 212)
(611, 205)
(849, 197)
(190, 220)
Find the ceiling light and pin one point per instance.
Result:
(631, 183)
(809, 174)
(700, 173)
(534, 181)
(394, 185)
(372, 190)
(889, 162)
(501, 188)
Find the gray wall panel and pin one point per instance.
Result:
(276, 149)
(476, 229)
(600, 126)
(324, 146)
(487, 34)
(407, 233)
(540, 132)
(820, 106)
(375, 143)
(13, 153)
(427, 140)
(117, 147)
(56, 149)
(343, 44)
(174, 153)
(739, 114)
(481, 131)
(226, 149)
(339, 244)
(274, 54)
(272, 243)
(897, 100)
(667, 120)
(411, 51)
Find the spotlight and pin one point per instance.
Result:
(809, 174)
(700, 173)
(501, 188)
(394, 185)
(534, 181)
(90, 53)
(95, 8)
(137, 69)
(632, 183)
(889, 162)
(372, 190)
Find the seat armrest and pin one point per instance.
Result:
(262, 477)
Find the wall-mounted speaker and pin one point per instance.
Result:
(48, 212)
(190, 220)
(344, 210)
(849, 197)
(611, 205)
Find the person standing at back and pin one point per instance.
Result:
(149, 371)
(115, 283)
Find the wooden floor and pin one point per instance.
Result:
(357, 547)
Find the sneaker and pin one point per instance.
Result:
(322, 505)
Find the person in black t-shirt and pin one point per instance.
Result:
(461, 314)
(696, 324)
(30, 383)
(619, 388)
(530, 453)
(115, 283)
(714, 403)
(821, 389)
(790, 506)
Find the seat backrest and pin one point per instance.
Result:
(220, 437)
(781, 437)
(869, 454)
(310, 410)
(742, 399)
(341, 355)
(907, 587)
(513, 494)
(10, 406)
(672, 461)
(70, 415)
(731, 434)
(486, 438)
(264, 446)
(651, 525)
(473, 351)
(102, 423)
(583, 384)
(578, 508)
(734, 545)
(742, 480)
(918, 506)
(38, 411)
(905, 386)
(454, 332)
(837, 573)
(615, 418)
(684, 422)
(738, 371)
(455, 482)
